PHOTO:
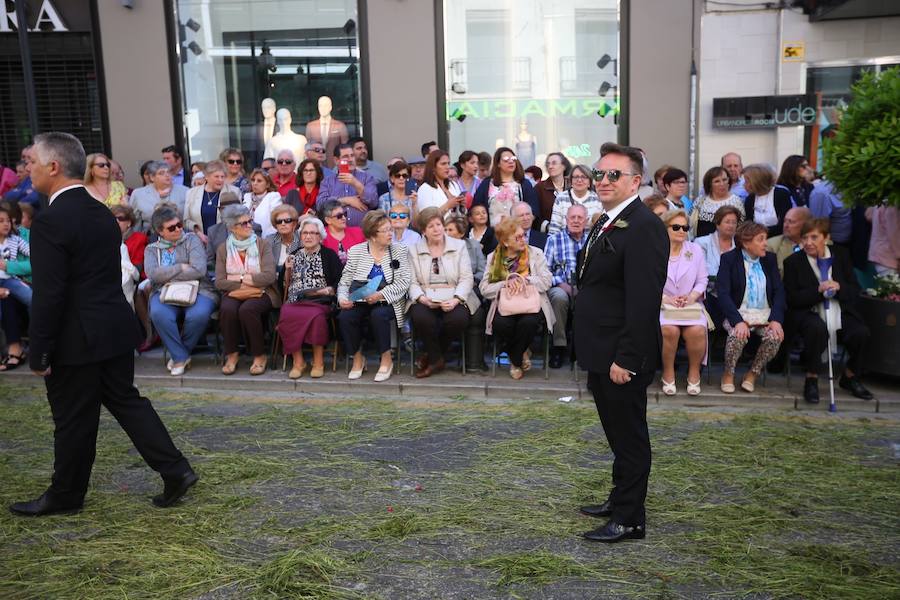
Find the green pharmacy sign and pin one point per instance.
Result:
(578, 108)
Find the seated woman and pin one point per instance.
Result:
(245, 274)
(397, 192)
(682, 314)
(309, 180)
(766, 202)
(314, 272)
(480, 230)
(714, 246)
(580, 193)
(177, 256)
(752, 299)
(378, 258)
(261, 200)
(441, 296)
(718, 195)
(161, 188)
(822, 304)
(201, 204)
(15, 292)
(438, 189)
(100, 183)
(134, 243)
(400, 216)
(512, 268)
(657, 203)
(338, 236)
(455, 226)
(285, 240)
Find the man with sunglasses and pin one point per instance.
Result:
(316, 151)
(83, 335)
(285, 175)
(621, 271)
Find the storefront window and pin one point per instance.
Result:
(532, 75)
(255, 71)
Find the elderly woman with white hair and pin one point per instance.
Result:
(161, 188)
(311, 278)
(201, 205)
(245, 274)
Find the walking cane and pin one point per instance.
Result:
(824, 270)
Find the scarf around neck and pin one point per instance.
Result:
(756, 282)
(499, 270)
(233, 263)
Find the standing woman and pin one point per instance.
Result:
(752, 298)
(480, 230)
(767, 203)
(201, 206)
(384, 308)
(468, 180)
(437, 189)
(245, 274)
(681, 315)
(511, 267)
(580, 193)
(505, 186)
(160, 188)
(676, 185)
(796, 176)
(338, 236)
(314, 275)
(99, 181)
(558, 169)
(309, 178)
(718, 194)
(441, 296)
(234, 163)
(261, 200)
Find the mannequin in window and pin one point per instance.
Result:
(526, 145)
(285, 139)
(327, 130)
(268, 124)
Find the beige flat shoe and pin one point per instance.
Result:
(516, 372)
(384, 373)
(727, 388)
(747, 386)
(256, 369)
(297, 372)
(316, 372)
(229, 368)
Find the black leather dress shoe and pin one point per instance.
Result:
(43, 506)
(615, 532)
(811, 390)
(855, 387)
(597, 510)
(175, 489)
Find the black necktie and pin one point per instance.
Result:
(595, 233)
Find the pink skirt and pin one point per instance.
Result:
(303, 322)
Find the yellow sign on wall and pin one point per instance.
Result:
(793, 52)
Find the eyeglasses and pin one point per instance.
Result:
(679, 182)
(612, 175)
(284, 161)
(247, 223)
(520, 237)
(102, 165)
(580, 178)
(309, 170)
(122, 219)
(385, 230)
(435, 266)
(175, 227)
(340, 215)
(310, 233)
(684, 228)
(235, 161)
(286, 221)
(395, 215)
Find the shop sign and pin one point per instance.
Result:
(793, 52)
(516, 109)
(756, 112)
(44, 16)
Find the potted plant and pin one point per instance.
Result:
(880, 307)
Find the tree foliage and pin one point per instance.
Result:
(863, 159)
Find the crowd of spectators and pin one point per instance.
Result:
(423, 250)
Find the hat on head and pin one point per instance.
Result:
(415, 160)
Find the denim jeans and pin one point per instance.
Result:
(19, 290)
(165, 319)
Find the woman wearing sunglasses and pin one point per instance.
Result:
(400, 216)
(506, 186)
(286, 239)
(245, 274)
(400, 191)
(99, 181)
(338, 236)
(234, 164)
(261, 200)
(177, 256)
(682, 315)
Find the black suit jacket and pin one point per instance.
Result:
(801, 286)
(536, 238)
(79, 314)
(620, 292)
(731, 283)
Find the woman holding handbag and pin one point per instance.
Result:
(682, 315)
(177, 260)
(245, 274)
(441, 295)
(516, 283)
(312, 273)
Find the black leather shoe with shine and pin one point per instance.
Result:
(43, 506)
(855, 387)
(811, 390)
(175, 489)
(597, 510)
(614, 532)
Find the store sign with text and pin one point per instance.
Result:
(48, 16)
(755, 112)
(519, 109)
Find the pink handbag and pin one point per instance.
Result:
(527, 302)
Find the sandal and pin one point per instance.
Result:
(229, 368)
(5, 365)
(526, 360)
(257, 369)
(668, 387)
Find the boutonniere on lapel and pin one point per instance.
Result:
(621, 224)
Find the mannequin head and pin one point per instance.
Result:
(283, 119)
(523, 125)
(268, 108)
(324, 106)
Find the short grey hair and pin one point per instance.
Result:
(288, 152)
(163, 214)
(310, 220)
(232, 213)
(155, 166)
(328, 207)
(577, 206)
(519, 204)
(65, 149)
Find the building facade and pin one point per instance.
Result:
(132, 76)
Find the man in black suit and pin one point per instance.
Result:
(523, 213)
(83, 335)
(621, 272)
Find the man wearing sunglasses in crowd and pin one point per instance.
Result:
(354, 189)
(285, 174)
(316, 151)
(621, 271)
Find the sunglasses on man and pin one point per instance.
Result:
(612, 175)
(396, 215)
(284, 161)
